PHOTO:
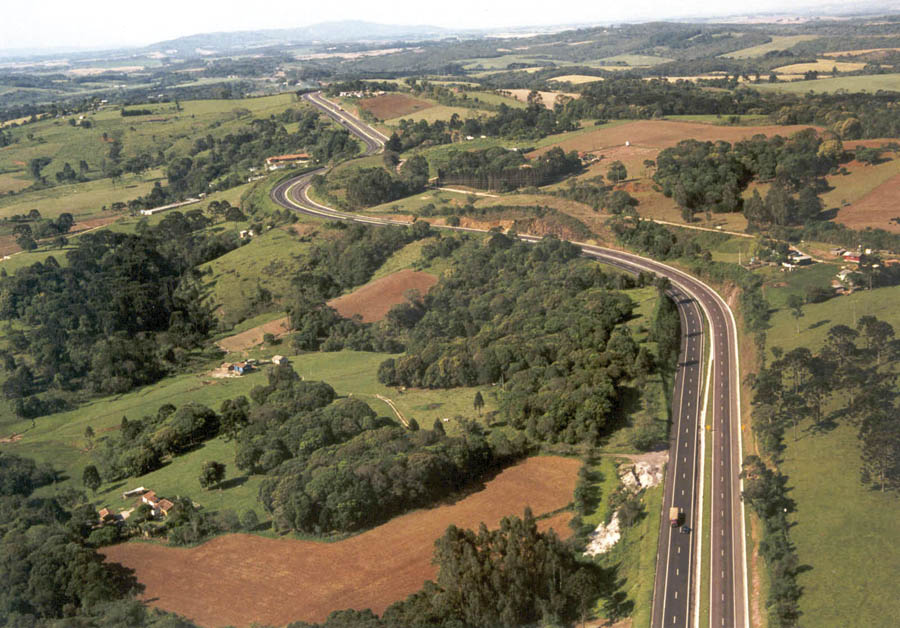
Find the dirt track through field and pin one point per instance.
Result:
(238, 579)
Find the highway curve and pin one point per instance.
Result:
(676, 590)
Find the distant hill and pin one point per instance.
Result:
(323, 33)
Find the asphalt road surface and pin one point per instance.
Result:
(695, 421)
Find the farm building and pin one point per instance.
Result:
(158, 506)
(277, 162)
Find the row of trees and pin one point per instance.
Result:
(500, 169)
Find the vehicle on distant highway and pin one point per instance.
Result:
(675, 515)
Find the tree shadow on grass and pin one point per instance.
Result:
(112, 488)
(233, 482)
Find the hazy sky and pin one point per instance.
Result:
(103, 23)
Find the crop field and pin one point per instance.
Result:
(239, 579)
(438, 112)
(548, 98)
(659, 134)
(779, 42)
(372, 301)
(577, 79)
(850, 563)
(868, 83)
(868, 197)
(254, 336)
(821, 65)
(854, 53)
(393, 105)
(635, 60)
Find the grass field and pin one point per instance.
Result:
(779, 42)
(846, 533)
(79, 199)
(268, 261)
(164, 130)
(634, 556)
(868, 83)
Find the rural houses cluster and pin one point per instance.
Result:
(159, 506)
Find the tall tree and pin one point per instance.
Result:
(212, 473)
(91, 478)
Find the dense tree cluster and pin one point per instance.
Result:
(373, 476)
(500, 169)
(372, 186)
(512, 576)
(534, 318)
(48, 571)
(334, 466)
(124, 310)
(710, 177)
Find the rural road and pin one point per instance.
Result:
(696, 417)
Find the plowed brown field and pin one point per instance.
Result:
(252, 337)
(393, 105)
(238, 579)
(875, 209)
(374, 299)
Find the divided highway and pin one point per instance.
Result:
(696, 416)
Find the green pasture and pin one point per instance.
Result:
(268, 262)
(165, 129)
(846, 534)
(79, 199)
